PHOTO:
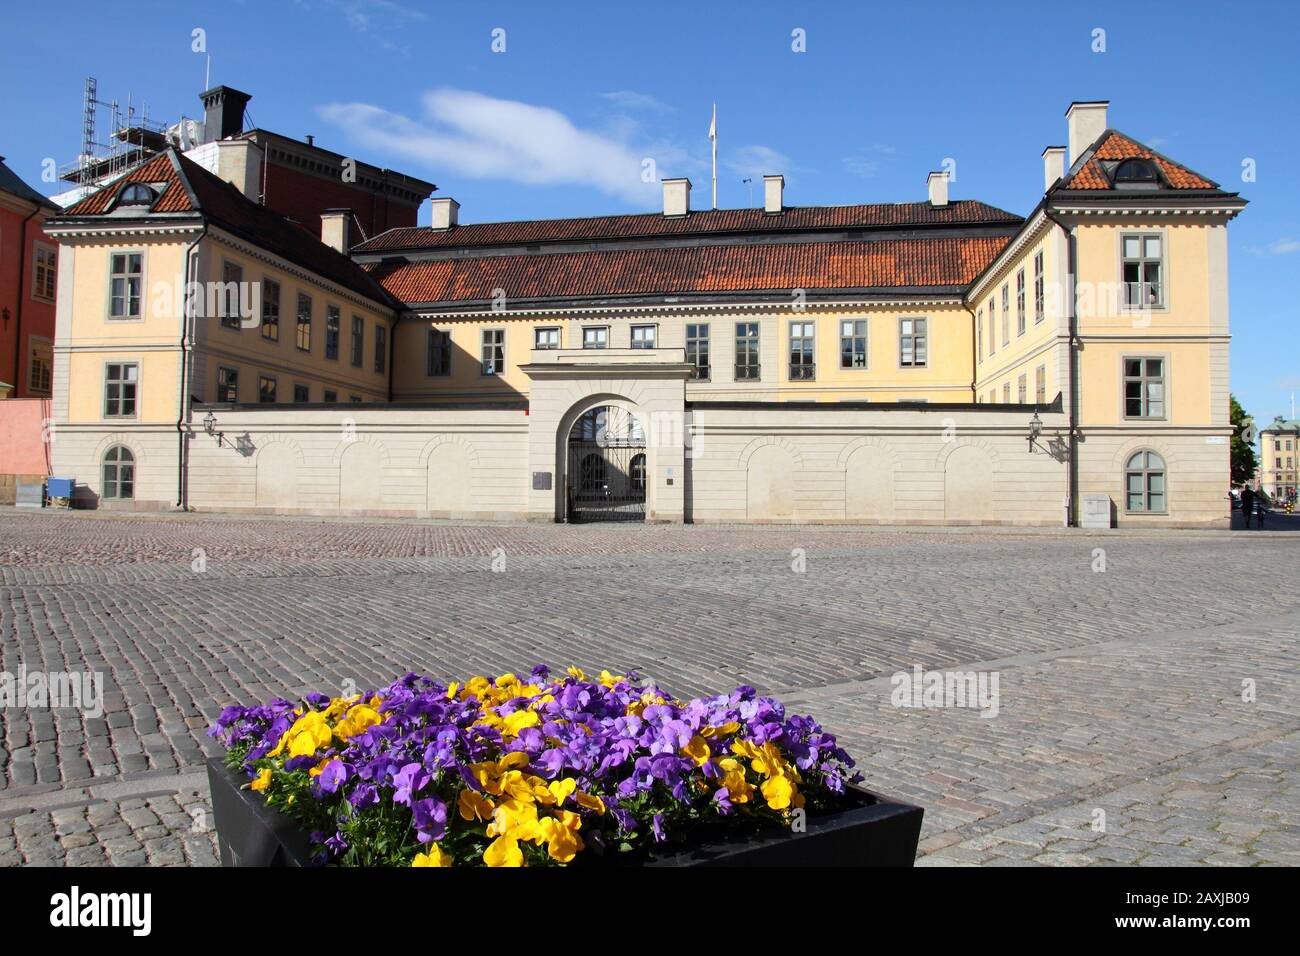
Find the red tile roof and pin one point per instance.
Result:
(880, 264)
(1115, 146)
(963, 212)
(228, 208)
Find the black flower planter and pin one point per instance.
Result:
(877, 832)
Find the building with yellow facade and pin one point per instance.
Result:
(939, 361)
(1279, 448)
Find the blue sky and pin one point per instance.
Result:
(561, 122)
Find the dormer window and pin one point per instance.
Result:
(136, 194)
(1137, 171)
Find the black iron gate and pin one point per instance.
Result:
(606, 481)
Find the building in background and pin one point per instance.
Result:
(28, 281)
(1279, 446)
(940, 361)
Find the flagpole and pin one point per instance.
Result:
(713, 135)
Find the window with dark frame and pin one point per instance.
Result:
(231, 294)
(437, 361)
(271, 310)
(1144, 387)
(1006, 314)
(595, 337)
(121, 382)
(993, 326)
(547, 338)
(803, 351)
(1144, 483)
(301, 394)
(227, 384)
(45, 272)
(381, 348)
(119, 474)
(748, 366)
(358, 341)
(1020, 302)
(265, 390)
(644, 336)
(697, 349)
(126, 278)
(494, 351)
(1040, 304)
(331, 396)
(1143, 265)
(913, 346)
(853, 343)
(333, 316)
(39, 371)
(304, 323)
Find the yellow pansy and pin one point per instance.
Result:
(474, 806)
(561, 790)
(515, 760)
(451, 690)
(698, 750)
(728, 728)
(261, 781)
(591, 802)
(434, 857)
(519, 720)
(504, 851)
(562, 843)
(358, 719)
(779, 792)
(733, 778)
(577, 674)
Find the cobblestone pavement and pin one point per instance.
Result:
(1123, 733)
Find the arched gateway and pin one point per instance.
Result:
(606, 466)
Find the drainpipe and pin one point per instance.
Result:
(975, 354)
(1071, 258)
(182, 462)
(18, 306)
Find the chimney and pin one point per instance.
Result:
(1087, 121)
(1053, 166)
(677, 197)
(446, 212)
(336, 229)
(938, 186)
(223, 112)
(773, 194)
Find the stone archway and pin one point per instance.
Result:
(603, 457)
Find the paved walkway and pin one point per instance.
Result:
(1121, 732)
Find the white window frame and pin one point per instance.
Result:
(906, 337)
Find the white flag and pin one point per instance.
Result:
(713, 126)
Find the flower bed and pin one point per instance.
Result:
(539, 772)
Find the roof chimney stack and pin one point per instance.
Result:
(1087, 121)
(773, 195)
(336, 229)
(223, 112)
(938, 187)
(1053, 166)
(677, 197)
(446, 212)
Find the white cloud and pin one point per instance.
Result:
(866, 162)
(632, 100)
(1281, 247)
(756, 161)
(483, 137)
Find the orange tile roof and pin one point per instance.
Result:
(816, 266)
(961, 212)
(1115, 146)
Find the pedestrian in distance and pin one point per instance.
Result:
(1247, 504)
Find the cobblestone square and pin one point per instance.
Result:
(1147, 699)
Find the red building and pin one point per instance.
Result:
(28, 281)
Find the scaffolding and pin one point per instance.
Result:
(130, 139)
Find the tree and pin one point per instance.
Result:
(1244, 435)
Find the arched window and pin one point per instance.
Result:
(1136, 171)
(119, 473)
(1144, 483)
(135, 194)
